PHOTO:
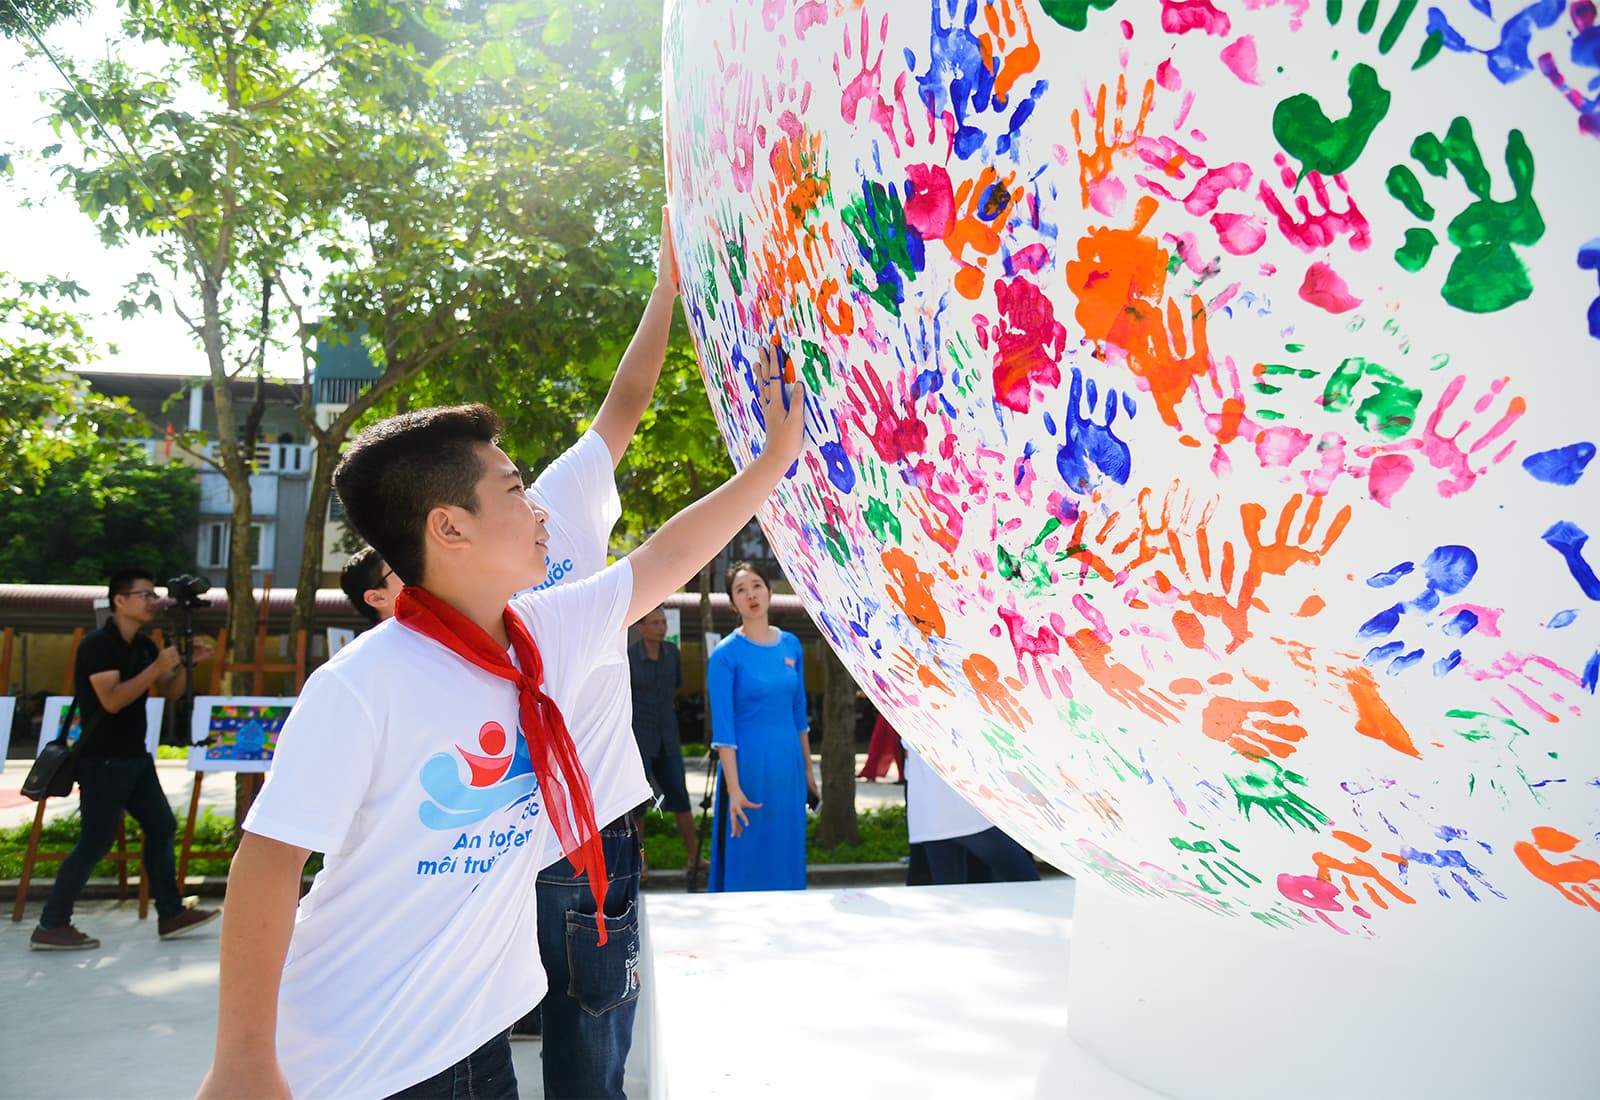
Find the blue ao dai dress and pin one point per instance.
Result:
(758, 708)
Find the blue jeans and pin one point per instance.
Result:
(485, 1074)
(106, 789)
(987, 856)
(593, 990)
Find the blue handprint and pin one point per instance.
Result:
(1589, 260)
(1446, 572)
(970, 74)
(1444, 862)
(1088, 442)
(1509, 58)
(1568, 539)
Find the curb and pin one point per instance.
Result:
(666, 881)
(821, 876)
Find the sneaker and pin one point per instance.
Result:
(65, 938)
(185, 922)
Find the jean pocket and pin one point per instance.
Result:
(603, 977)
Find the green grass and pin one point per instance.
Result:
(883, 840)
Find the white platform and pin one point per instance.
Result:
(929, 992)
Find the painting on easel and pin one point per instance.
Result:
(236, 733)
(55, 706)
(8, 714)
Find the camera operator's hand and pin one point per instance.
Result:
(169, 661)
(203, 651)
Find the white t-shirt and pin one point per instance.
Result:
(934, 809)
(406, 766)
(579, 490)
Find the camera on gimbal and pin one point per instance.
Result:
(186, 591)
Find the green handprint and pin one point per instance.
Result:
(877, 220)
(1073, 14)
(1269, 790)
(1327, 145)
(1390, 409)
(730, 226)
(1392, 30)
(1487, 274)
(815, 366)
(882, 511)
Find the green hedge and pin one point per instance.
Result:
(883, 840)
(211, 831)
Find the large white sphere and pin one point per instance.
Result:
(1199, 405)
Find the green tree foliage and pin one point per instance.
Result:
(474, 186)
(111, 507)
(47, 413)
(17, 16)
(218, 161)
(563, 100)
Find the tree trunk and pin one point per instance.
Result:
(836, 818)
(235, 463)
(304, 615)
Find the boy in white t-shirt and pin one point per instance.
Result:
(588, 1012)
(428, 760)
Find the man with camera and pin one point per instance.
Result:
(117, 666)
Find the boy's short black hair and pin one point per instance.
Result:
(746, 567)
(400, 469)
(360, 575)
(121, 582)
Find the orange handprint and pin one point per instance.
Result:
(1094, 165)
(1285, 551)
(1577, 880)
(996, 694)
(1117, 547)
(983, 205)
(1221, 596)
(1251, 727)
(1358, 868)
(1120, 280)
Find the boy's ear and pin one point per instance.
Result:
(376, 598)
(443, 529)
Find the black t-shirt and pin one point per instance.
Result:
(123, 733)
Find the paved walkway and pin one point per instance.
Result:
(144, 1012)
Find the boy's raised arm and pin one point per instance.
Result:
(263, 892)
(634, 385)
(694, 536)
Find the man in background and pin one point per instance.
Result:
(116, 667)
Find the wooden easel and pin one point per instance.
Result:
(119, 855)
(258, 670)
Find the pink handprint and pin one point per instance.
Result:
(1450, 453)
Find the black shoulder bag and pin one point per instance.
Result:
(56, 769)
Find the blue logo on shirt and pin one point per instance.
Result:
(493, 784)
(554, 571)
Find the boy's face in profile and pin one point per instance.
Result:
(505, 538)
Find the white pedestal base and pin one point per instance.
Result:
(1196, 1006)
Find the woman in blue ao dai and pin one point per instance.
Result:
(756, 683)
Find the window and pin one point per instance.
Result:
(214, 545)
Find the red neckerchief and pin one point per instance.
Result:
(550, 748)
